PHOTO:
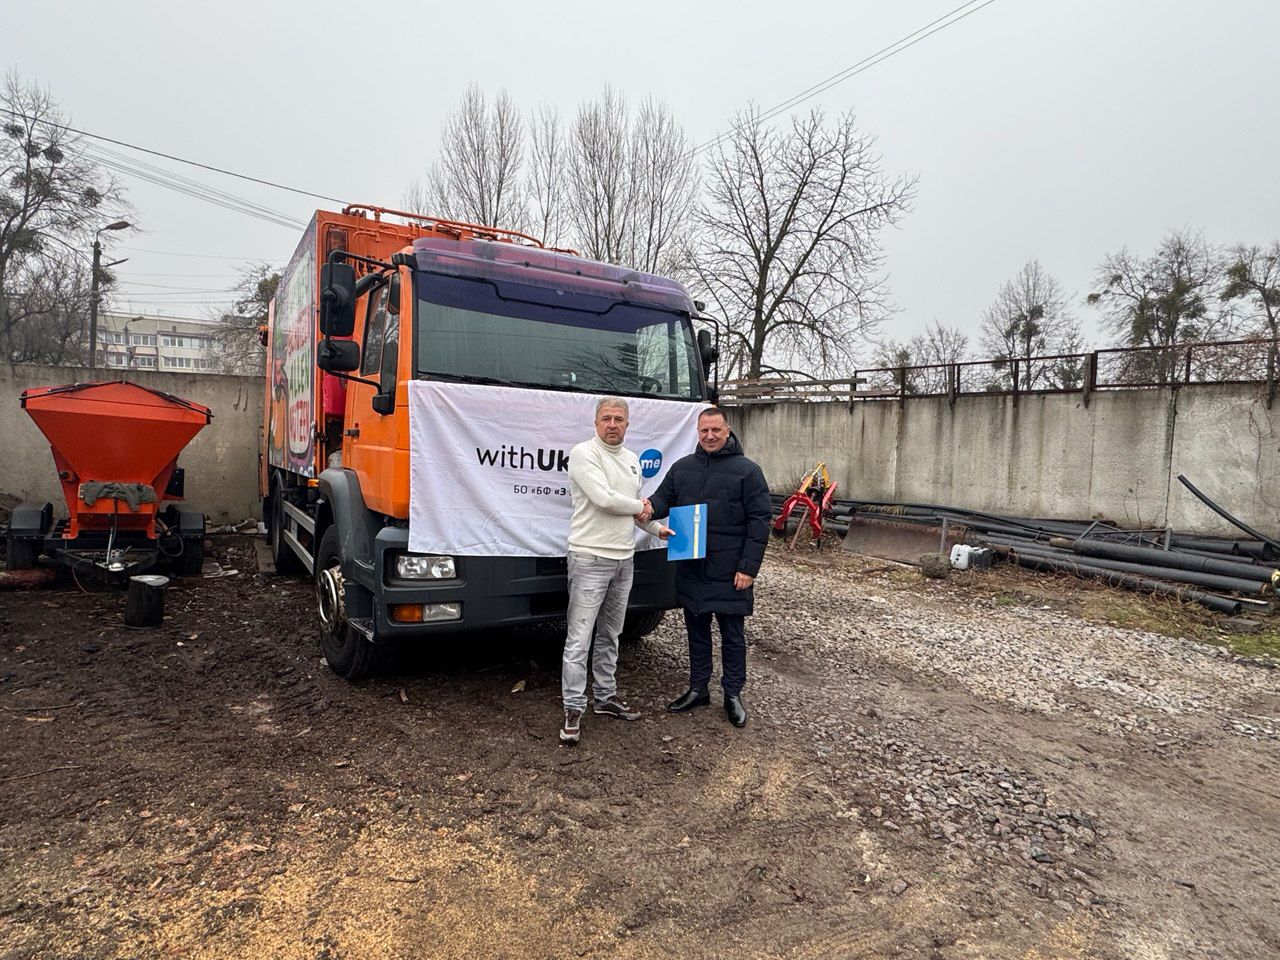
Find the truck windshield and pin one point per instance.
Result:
(535, 336)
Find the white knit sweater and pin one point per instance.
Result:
(605, 483)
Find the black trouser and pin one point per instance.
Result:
(733, 650)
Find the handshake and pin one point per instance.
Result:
(646, 514)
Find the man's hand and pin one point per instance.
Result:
(645, 514)
(664, 533)
(741, 581)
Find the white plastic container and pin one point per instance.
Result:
(960, 556)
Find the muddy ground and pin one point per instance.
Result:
(931, 770)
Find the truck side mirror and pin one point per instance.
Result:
(707, 350)
(393, 294)
(337, 300)
(338, 356)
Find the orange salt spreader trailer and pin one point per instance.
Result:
(115, 446)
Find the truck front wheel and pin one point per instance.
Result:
(347, 651)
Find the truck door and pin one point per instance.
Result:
(372, 429)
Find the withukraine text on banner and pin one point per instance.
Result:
(489, 465)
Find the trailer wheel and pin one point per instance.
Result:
(638, 625)
(286, 562)
(349, 654)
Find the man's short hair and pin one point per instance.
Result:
(615, 402)
(713, 412)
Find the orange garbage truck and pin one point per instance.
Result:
(426, 380)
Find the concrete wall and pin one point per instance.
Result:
(221, 463)
(1041, 456)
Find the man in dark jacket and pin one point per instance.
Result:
(738, 515)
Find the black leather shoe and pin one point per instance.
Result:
(735, 711)
(689, 699)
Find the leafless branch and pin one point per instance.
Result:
(789, 248)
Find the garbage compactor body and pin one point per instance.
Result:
(115, 447)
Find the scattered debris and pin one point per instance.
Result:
(212, 570)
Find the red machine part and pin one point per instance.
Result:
(813, 485)
(118, 432)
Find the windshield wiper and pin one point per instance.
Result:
(466, 378)
(562, 387)
(501, 382)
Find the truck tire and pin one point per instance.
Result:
(287, 563)
(638, 625)
(349, 654)
(20, 553)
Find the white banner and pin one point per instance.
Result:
(489, 466)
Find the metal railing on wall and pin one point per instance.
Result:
(1176, 365)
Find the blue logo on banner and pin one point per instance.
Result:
(650, 463)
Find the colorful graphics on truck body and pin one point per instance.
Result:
(291, 443)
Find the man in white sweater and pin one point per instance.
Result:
(604, 479)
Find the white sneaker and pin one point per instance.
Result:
(571, 730)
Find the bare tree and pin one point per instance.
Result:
(664, 178)
(937, 348)
(1030, 317)
(477, 178)
(601, 188)
(1159, 301)
(546, 176)
(52, 197)
(1253, 280)
(789, 246)
(50, 314)
(238, 339)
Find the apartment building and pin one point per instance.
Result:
(152, 342)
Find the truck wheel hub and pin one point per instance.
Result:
(329, 593)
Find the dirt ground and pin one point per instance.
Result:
(952, 770)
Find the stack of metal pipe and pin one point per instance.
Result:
(1224, 574)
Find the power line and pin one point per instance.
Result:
(169, 156)
(159, 175)
(164, 286)
(191, 188)
(188, 276)
(866, 63)
(198, 256)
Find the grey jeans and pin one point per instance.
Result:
(598, 592)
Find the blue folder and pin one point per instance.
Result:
(688, 540)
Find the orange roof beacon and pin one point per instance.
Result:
(375, 301)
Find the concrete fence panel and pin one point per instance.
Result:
(1040, 455)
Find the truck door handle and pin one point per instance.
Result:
(353, 431)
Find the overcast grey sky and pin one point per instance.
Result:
(1038, 129)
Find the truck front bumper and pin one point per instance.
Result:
(496, 592)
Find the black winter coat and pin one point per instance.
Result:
(738, 515)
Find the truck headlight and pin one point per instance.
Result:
(416, 566)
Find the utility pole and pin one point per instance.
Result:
(93, 287)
